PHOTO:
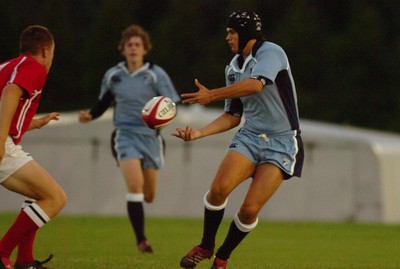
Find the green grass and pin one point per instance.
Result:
(107, 242)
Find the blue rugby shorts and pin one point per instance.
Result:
(148, 148)
(285, 150)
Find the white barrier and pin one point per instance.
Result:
(349, 174)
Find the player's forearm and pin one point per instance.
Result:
(221, 124)
(33, 125)
(236, 90)
(36, 124)
(42, 121)
(102, 105)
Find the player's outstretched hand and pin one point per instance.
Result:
(203, 96)
(187, 134)
(42, 121)
(84, 116)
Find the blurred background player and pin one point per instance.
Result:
(268, 148)
(21, 83)
(137, 148)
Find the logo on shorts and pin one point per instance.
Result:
(233, 145)
(285, 161)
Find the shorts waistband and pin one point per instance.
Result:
(284, 133)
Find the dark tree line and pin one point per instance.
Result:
(344, 54)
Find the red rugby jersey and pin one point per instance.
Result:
(30, 75)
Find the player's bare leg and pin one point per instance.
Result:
(150, 184)
(32, 181)
(267, 179)
(135, 182)
(234, 169)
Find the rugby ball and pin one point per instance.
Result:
(159, 112)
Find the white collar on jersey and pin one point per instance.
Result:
(235, 66)
(144, 67)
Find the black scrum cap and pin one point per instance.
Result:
(247, 24)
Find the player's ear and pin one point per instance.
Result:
(146, 52)
(43, 52)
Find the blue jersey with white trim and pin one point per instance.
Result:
(274, 109)
(131, 91)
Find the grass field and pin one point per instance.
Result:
(107, 242)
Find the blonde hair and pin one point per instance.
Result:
(134, 30)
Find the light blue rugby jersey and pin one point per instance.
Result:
(131, 92)
(273, 110)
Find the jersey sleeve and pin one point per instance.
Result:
(234, 107)
(106, 97)
(102, 105)
(105, 84)
(164, 85)
(270, 62)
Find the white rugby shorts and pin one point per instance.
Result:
(14, 158)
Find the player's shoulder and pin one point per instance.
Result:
(262, 47)
(6, 64)
(156, 68)
(25, 63)
(114, 69)
(22, 60)
(157, 71)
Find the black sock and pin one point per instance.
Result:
(212, 220)
(232, 240)
(136, 216)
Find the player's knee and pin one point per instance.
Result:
(149, 198)
(248, 213)
(245, 225)
(61, 199)
(55, 202)
(218, 193)
(215, 198)
(212, 203)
